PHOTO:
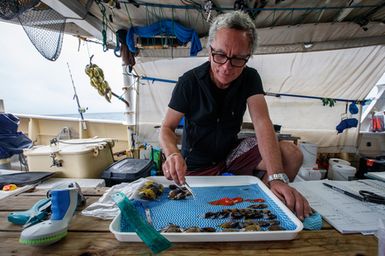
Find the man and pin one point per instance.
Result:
(213, 99)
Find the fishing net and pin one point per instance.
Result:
(43, 25)
(11, 9)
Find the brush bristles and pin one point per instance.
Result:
(44, 240)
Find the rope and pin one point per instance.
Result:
(328, 101)
(104, 24)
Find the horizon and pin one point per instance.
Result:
(27, 89)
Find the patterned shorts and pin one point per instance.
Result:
(242, 160)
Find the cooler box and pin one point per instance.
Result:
(127, 170)
(78, 158)
(367, 164)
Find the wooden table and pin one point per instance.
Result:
(91, 236)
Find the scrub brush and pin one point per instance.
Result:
(130, 216)
(63, 206)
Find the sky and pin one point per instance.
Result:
(31, 84)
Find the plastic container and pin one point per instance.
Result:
(310, 174)
(343, 172)
(335, 161)
(175, 211)
(79, 158)
(377, 122)
(309, 152)
(127, 170)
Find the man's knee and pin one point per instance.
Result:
(291, 152)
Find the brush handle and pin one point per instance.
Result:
(129, 214)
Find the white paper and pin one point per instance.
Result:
(346, 214)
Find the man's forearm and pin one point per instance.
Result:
(168, 141)
(269, 149)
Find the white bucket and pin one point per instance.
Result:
(343, 172)
(309, 152)
(338, 161)
(307, 173)
(335, 161)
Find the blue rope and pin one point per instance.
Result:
(362, 102)
(153, 79)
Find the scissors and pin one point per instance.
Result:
(372, 197)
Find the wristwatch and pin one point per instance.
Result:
(278, 176)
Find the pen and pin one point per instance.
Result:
(344, 192)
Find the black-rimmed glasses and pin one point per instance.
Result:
(221, 58)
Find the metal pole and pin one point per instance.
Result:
(80, 109)
(130, 95)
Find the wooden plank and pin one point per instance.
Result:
(78, 223)
(104, 243)
(85, 191)
(22, 203)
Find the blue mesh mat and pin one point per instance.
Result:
(190, 212)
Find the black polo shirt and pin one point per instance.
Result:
(210, 131)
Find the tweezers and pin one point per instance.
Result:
(189, 189)
(187, 186)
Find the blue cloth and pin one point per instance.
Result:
(353, 109)
(165, 27)
(11, 141)
(313, 222)
(346, 123)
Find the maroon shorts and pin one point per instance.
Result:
(242, 160)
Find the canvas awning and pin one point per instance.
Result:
(344, 74)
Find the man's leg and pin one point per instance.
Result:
(244, 158)
(292, 159)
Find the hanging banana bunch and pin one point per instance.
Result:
(97, 81)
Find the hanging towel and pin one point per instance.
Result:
(169, 28)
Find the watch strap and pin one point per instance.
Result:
(278, 176)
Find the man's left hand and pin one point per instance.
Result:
(292, 198)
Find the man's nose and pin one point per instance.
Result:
(227, 64)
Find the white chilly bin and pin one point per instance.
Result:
(78, 158)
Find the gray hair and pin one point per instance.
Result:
(235, 20)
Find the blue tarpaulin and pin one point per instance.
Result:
(168, 28)
(11, 141)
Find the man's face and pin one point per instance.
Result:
(233, 44)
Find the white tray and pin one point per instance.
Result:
(207, 181)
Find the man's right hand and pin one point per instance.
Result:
(174, 168)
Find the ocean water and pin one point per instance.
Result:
(117, 116)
